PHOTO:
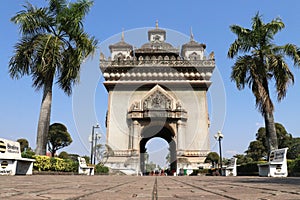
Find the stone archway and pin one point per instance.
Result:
(163, 132)
(157, 114)
(162, 84)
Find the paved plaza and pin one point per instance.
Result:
(152, 187)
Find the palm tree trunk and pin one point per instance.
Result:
(44, 120)
(271, 136)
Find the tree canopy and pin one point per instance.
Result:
(24, 144)
(258, 149)
(58, 137)
(212, 158)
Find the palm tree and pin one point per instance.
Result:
(261, 63)
(52, 47)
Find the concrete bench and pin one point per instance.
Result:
(230, 169)
(277, 165)
(11, 161)
(83, 168)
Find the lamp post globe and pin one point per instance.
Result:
(219, 136)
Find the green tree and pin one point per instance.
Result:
(53, 45)
(258, 149)
(74, 157)
(242, 159)
(294, 149)
(24, 144)
(63, 155)
(58, 137)
(262, 62)
(150, 166)
(212, 158)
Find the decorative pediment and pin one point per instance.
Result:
(157, 99)
(157, 103)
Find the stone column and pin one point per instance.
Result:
(180, 135)
(135, 136)
(130, 146)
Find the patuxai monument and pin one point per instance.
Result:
(157, 90)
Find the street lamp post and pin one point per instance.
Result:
(92, 142)
(219, 136)
(96, 139)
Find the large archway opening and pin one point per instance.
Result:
(167, 134)
(157, 154)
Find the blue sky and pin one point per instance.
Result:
(210, 21)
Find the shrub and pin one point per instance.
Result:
(101, 169)
(71, 166)
(27, 153)
(42, 163)
(57, 164)
(248, 169)
(294, 167)
(63, 155)
(73, 157)
(297, 165)
(45, 163)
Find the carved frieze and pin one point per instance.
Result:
(157, 104)
(157, 101)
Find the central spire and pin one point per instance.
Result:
(122, 36)
(191, 35)
(156, 24)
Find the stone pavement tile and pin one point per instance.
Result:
(63, 193)
(241, 187)
(176, 188)
(127, 187)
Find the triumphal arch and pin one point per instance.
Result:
(157, 90)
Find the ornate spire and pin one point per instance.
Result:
(122, 37)
(156, 24)
(191, 35)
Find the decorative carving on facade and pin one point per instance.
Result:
(122, 153)
(135, 106)
(166, 61)
(157, 101)
(157, 104)
(195, 153)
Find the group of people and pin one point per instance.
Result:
(162, 172)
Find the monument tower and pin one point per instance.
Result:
(157, 90)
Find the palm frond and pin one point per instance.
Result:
(282, 75)
(57, 6)
(33, 20)
(240, 71)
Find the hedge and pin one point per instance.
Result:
(46, 163)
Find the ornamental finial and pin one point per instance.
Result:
(156, 24)
(122, 37)
(191, 35)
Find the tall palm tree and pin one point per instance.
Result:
(262, 61)
(52, 46)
